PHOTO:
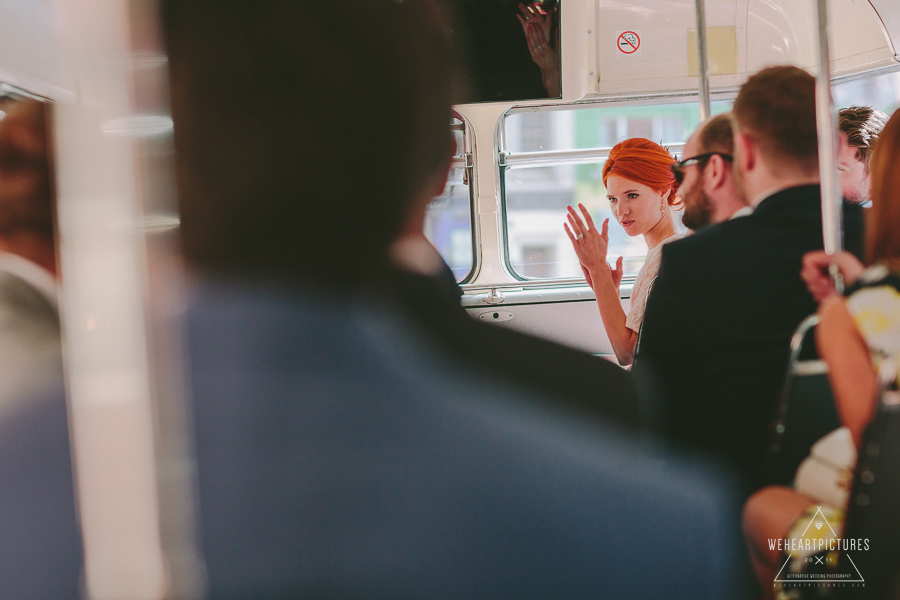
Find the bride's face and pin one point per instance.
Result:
(637, 208)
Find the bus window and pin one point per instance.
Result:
(881, 91)
(448, 224)
(554, 158)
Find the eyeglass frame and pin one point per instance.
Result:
(678, 167)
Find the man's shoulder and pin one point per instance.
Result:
(701, 244)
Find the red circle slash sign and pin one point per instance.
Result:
(629, 42)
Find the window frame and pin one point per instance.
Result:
(506, 159)
(464, 158)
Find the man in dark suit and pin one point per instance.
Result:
(727, 299)
(574, 381)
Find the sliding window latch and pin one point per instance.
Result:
(494, 297)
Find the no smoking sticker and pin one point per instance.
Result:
(629, 42)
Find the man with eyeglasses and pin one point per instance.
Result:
(705, 178)
(727, 299)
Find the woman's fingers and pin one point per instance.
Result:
(816, 260)
(815, 275)
(815, 271)
(535, 39)
(617, 272)
(577, 230)
(576, 220)
(526, 16)
(574, 237)
(604, 229)
(587, 217)
(529, 38)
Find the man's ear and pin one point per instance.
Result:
(716, 172)
(746, 152)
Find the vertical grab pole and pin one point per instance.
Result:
(826, 125)
(131, 467)
(702, 62)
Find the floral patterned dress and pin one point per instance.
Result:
(874, 304)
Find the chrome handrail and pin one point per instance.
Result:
(702, 60)
(826, 125)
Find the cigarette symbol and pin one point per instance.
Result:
(629, 42)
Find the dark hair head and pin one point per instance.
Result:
(717, 135)
(883, 219)
(26, 182)
(777, 106)
(304, 130)
(643, 161)
(862, 125)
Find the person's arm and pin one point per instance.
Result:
(769, 514)
(591, 250)
(850, 370)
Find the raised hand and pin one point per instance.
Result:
(538, 27)
(591, 246)
(534, 15)
(542, 54)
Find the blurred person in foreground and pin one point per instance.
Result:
(857, 332)
(30, 350)
(590, 387)
(337, 455)
(709, 189)
(860, 127)
(728, 298)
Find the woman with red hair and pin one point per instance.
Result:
(641, 190)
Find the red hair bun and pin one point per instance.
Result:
(645, 162)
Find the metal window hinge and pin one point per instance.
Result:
(494, 297)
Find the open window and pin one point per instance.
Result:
(552, 157)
